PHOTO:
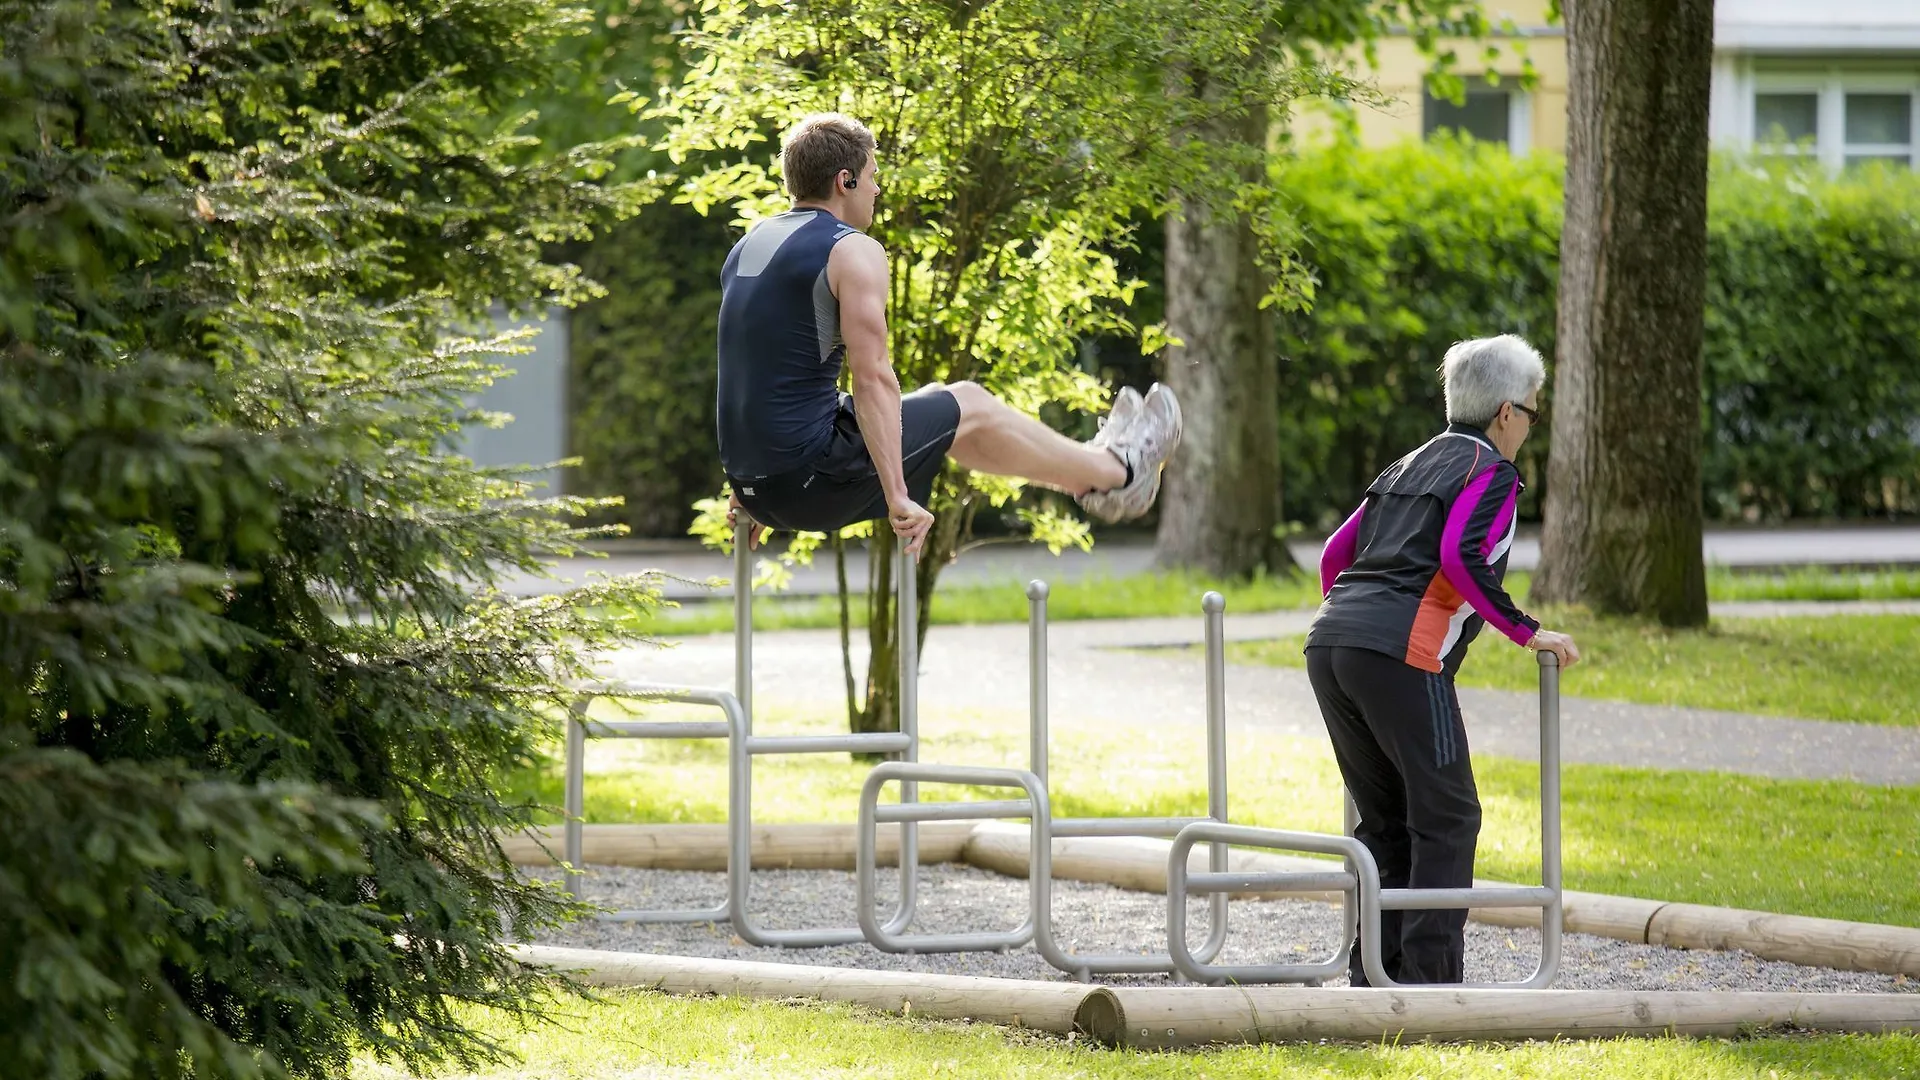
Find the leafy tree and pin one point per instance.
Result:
(261, 685)
(1223, 491)
(1019, 142)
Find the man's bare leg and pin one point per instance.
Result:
(996, 438)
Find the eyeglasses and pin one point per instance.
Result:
(1533, 417)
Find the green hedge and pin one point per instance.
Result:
(1812, 337)
(1813, 345)
(1413, 249)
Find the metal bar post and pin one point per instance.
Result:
(576, 793)
(907, 624)
(743, 610)
(1037, 657)
(1552, 918)
(1213, 607)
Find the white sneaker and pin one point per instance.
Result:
(1127, 404)
(1144, 444)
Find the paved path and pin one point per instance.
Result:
(1093, 681)
(1019, 562)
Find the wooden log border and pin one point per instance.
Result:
(1169, 1017)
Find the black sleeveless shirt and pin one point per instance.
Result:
(780, 345)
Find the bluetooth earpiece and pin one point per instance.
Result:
(850, 182)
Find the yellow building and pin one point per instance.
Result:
(1840, 78)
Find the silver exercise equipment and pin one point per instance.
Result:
(1039, 927)
(1359, 882)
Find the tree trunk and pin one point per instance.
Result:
(1623, 513)
(880, 710)
(1221, 495)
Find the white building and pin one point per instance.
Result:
(1833, 78)
(1838, 78)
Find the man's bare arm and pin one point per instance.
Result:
(857, 273)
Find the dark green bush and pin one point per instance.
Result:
(644, 369)
(1812, 332)
(1813, 344)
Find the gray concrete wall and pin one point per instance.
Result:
(535, 394)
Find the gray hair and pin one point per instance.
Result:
(1485, 373)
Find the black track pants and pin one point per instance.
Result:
(1402, 748)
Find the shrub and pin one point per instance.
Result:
(643, 367)
(1413, 248)
(1812, 328)
(1813, 344)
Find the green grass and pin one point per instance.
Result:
(1178, 593)
(637, 1034)
(1858, 668)
(1812, 583)
(1134, 596)
(1828, 848)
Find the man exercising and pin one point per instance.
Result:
(806, 290)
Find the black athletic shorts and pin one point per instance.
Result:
(842, 486)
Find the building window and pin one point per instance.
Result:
(1879, 127)
(1497, 114)
(1786, 123)
(1845, 118)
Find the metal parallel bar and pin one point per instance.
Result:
(885, 742)
(1278, 881)
(660, 692)
(1181, 885)
(1084, 965)
(1035, 808)
(656, 729)
(1548, 897)
(982, 810)
(1167, 826)
(743, 750)
(1436, 899)
(1312, 843)
(580, 729)
(715, 914)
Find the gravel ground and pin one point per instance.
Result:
(1102, 918)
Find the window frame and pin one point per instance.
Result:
(1831, 83)
(1519, 139)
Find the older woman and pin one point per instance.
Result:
(1409, 580)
